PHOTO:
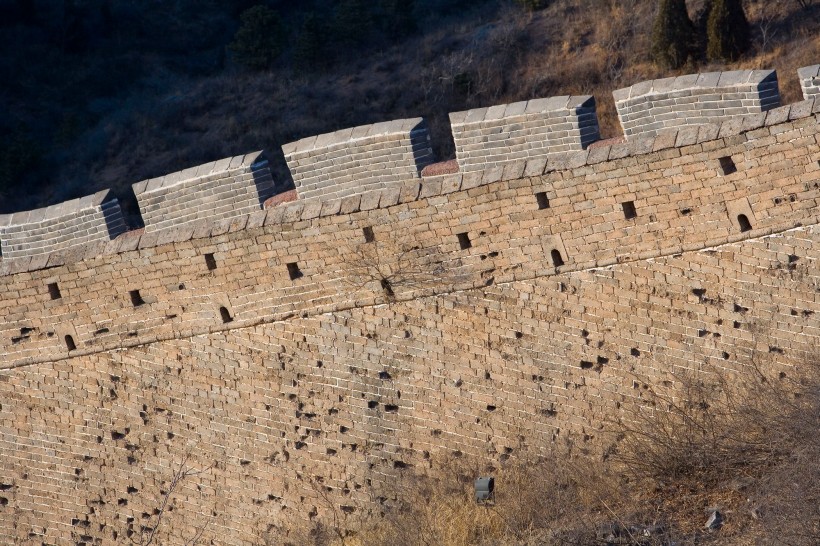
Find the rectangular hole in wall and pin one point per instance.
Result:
(210, 262)
(293, 271)
(369, 236)
(464, 241)
(136, 298)
(54, 291)
(629, 210)
(727, 165)
(542, 200)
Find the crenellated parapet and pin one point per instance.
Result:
(67, 225)
(650, 107)
(350, 340)
(359, 159)
(220, 190)
(810, 81)
(378, 166)
(489, 137)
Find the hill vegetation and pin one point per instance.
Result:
(104, 93)
(729, 461)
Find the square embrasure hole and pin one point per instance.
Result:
(629, 210)
(464, 241)
(293, 271)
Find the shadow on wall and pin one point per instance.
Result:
(129, 207)
(420, 142)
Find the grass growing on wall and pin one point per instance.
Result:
(743, 445)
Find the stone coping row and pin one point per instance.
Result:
(214, 168)
(809, 72)
(706, 80)
(412, 190)
(52, 212)
(811, 222)
(534, 106)
(353, 134)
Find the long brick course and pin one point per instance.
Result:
(489, 137)
(649, 107)
(220, 190)
(354, 161)
(68, 225)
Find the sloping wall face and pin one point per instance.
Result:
(220, 190)
(640, 206)
(810, 81)
(294, 363)
(353, 161)
(649, 107)
(274, 414)
(37, 233)
(488, 137)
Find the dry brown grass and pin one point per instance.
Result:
(745, 444)
(493, 55)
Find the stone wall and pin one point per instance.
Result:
(354, 161)
(302, 359)
(649, 107)
(291, 418)
(810, 81)
(224, 189)
(488, 137)
(686, 194)
(37, 233)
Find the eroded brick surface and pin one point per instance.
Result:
(356, 346)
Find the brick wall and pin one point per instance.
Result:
(649, 107)
(488, 137)
(303, 358)
(37, 233)
(224, 189)
(810, 81)
(354, 161)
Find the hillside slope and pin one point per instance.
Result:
(186, 104)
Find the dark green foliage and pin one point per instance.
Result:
(353, 23)
(310, 47)
(533, 5)
(75, 35)
(727, 31)
(18, 154)
(673, 35)
(260, 38)
(398, 20)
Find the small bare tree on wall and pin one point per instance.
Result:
(147, 534)
(394, 265)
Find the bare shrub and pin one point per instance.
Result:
(748, 441)
(396, 265)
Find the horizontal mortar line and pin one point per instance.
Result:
(757, 234)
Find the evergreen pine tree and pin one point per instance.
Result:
(260, 38)
(533, 5)
(398, 20)
(310, 47)
(353, 23)
(727, 31)
(673, 34)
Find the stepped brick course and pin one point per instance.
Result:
(75, 223)
(303, 359)
(353, 161)
(649, 107)
(489, 137)
(810, 81)
(220, 190)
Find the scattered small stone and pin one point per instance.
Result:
(715, 520)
